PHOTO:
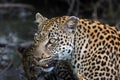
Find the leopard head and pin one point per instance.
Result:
(55, 38)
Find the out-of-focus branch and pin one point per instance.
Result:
(95, 9)
(16, 5)
(76, 13)
(71, 4)
(111, 12)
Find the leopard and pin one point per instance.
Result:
(91, 47)
(62, 69)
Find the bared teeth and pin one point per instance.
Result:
(46, 65)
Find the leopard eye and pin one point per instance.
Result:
(52, 40)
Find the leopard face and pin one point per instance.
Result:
(56, 39)
(92, 48)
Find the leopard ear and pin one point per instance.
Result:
(71, 23)
(39, 19)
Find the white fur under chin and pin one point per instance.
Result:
(65, 55)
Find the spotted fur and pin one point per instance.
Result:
(62, 69)
(91, 47)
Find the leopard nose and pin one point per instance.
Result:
(45, 55)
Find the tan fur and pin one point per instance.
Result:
(91, 47)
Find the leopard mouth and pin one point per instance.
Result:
(48, 69)
(47, 64)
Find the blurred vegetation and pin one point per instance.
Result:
(17, 24)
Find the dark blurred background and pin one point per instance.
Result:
(17, 16)
(17, 24)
